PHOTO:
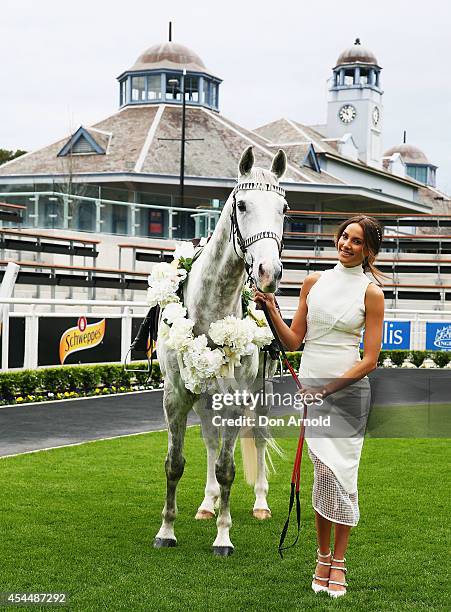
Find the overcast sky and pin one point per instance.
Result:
(60, 61)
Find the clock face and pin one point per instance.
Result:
(376, 115)
(347, 113)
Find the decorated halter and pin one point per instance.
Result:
(234, 227)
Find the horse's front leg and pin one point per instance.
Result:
(225, 474)
(210, 434)
(176, 408)
(261, 509)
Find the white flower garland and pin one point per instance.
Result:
(201, 367)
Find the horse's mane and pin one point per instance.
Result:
(259, 175)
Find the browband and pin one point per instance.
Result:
(260, 187)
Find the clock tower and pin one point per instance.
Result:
(355, 102)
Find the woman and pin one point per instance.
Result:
(334, 306)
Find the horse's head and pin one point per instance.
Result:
(258, 210)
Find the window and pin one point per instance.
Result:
(173, 88)
(138, 88)
(419, 173)
(214, 95)
(123, 92)
(363, 79)
(192, 89)
(154, 87)
(206, 91)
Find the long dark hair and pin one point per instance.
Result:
(373, 234)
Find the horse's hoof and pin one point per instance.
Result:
(261, 515)
(204, 515)
(164, 543)
(223, 551)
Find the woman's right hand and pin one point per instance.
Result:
(264, 298)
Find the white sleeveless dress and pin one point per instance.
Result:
(335, 319)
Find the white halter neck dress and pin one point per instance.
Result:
(335, 319)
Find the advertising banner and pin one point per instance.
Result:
(396, 335)
(438, 336)
(70, 340)
(16, 348)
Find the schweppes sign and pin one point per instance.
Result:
(81, 337)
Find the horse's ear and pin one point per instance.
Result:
(279, 163)
(246, 161)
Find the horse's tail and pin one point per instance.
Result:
(249, 455)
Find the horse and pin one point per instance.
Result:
(247, 241)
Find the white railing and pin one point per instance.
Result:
(128, 311)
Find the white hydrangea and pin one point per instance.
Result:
(162, 270)
(173, 311)
(262, 336)
(180, 334)
(162, 292)
(202, 365)
(232, 332)
(185, 250)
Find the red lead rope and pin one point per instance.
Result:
(296, 474)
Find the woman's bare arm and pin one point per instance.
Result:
(291, 337)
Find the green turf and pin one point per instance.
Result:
(82, 520)
(410, 421)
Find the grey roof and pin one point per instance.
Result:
(134, 145)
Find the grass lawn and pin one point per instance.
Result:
(410, 421)
(82, 520)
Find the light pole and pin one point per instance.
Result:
(174, 83)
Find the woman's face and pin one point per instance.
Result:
(351, 245)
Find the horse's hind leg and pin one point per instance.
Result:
(225, 473)
(176, 411)
(210, 434)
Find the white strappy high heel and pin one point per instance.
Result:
(319, 587)
(341, 592)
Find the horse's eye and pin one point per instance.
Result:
(241, 206)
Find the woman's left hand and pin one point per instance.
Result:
(314, 394)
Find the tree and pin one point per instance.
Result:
(6, 155)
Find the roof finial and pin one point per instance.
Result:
(357, 41)
(170, 31)
(405, 137)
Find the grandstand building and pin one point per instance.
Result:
(103, 202)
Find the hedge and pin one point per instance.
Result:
(74, 381)
(81, 381)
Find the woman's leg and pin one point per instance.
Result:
(341, 544)
(323, 529)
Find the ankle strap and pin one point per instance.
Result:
(321, 555)
(339, 560)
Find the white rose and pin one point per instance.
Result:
(173, 311)
(184, 249)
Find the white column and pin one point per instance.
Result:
(31, 339)
(126, 332)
